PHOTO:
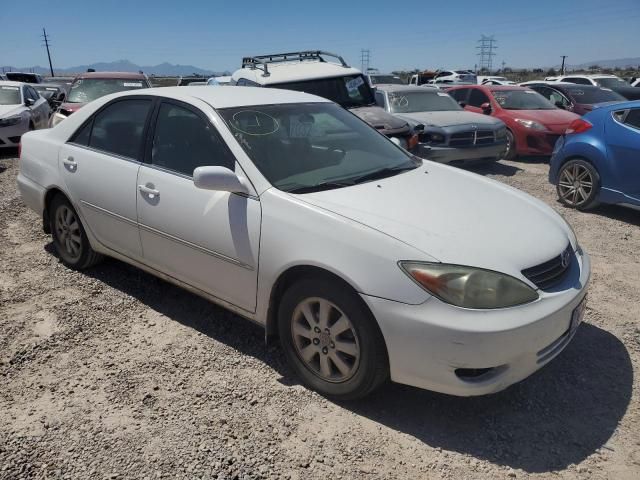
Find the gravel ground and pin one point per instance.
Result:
(115, 374)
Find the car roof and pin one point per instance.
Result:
(11, 83)
(122, 75)
(620, 105)
(390, 87)
(295, 71)
(230, 97)
(591, 75)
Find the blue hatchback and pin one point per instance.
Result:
(598, 159)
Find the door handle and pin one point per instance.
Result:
(152, 193)
(70, 163)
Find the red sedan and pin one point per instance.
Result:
(533, 123)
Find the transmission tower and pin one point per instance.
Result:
(486, 45)
(365, 60)
(46, 44)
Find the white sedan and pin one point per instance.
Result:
(21, 109)
(366, 261)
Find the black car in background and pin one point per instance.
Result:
(576, 98)
(23, 77)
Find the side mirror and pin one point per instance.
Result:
(29, 102)
(219, 178)
(486, 108)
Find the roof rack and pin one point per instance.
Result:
(260, 62)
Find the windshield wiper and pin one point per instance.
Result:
(383, 173)
(320, 186)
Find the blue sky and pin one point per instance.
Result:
(216, 34)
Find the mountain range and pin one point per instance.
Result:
(165, 68)
(619, 62)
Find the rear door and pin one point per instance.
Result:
(623, 147)
(208, 239)
(99, 165)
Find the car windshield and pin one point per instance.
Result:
(594, 95)
(386, 79)
(350, 91)
(611, 82)
(521, 100)
(307, 147)
(427, 101)
(86, 90)
(10, 95)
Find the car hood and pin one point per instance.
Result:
(447, 119)
(546, 117)
(72, 107)
(9, 110)
(455, 217)
(380, 119)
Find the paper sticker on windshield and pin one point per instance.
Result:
(443, 94)
(300, 127)
(254, 122)
(529, 91)
(10, 88)
(353, 84)
(51, 89)
(132, 84)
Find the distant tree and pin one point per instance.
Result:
(594, 68)
(537, 70)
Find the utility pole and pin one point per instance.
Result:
(365, 58)
(486, 45)
(562, 68)
(46, 44)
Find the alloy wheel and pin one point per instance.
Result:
(575, 184)
(68, 231)
(325, 340)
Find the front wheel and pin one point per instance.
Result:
(510, 153)
(69, 237)
(331, 339)
(578, 184)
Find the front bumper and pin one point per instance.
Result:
(10, 136)
(537, 142)
(494, 151)
(427, 343)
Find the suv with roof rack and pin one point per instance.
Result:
(310, 72)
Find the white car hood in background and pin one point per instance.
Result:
(455, 216)
(448, 118)
(9, 110)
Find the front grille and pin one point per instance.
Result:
(1, 142)
(15, 139)
(550, 273)
(475, 137)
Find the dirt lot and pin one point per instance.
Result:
(115, 374)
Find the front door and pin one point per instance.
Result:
(623, 147)
(207, 239)
(100, 166)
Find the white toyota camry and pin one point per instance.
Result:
(367, 262)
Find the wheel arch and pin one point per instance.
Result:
(48, 198)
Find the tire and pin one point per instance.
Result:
(578, 184)
(345, 351)
(511, 152)
(69, 237)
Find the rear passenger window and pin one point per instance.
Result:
(184, 141)
(477, 98)
(633, 118)
(118, 128)
(81, 137)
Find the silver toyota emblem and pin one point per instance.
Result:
(565, 259)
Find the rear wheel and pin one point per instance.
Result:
(578, 184)
(510, 153)
(69, 237)
(331, 339)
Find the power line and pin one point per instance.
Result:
(46, 44)
(486, 45)
(365, 59)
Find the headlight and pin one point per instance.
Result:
(10, 121)
(57, 118)
(469, 287)
(530, 124)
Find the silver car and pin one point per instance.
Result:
(21, 109)
(447, 133)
